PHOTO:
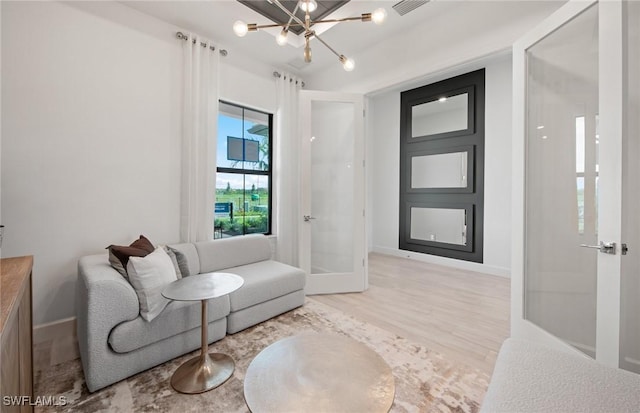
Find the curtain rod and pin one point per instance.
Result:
(183, 36)
(277, 74)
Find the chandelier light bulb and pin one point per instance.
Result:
(308, 5)
(281, 39)
(347, 64)
(307, 54)
(240, 28)
(379, 16)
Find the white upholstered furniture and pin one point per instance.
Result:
(529, 378)
(115, 342)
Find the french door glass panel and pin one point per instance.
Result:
(332, 187)
(561, 175)
(333, 232)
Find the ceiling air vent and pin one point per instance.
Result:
(405, 6)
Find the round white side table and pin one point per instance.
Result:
(207, 370)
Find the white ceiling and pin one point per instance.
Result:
(214, 19)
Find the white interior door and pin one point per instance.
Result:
(333, 240)
(568, 162)
(630, 287)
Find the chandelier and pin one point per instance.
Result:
(308, 6)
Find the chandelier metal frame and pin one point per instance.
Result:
(241, 28)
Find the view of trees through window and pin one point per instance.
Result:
(587, 175)
(243, 179)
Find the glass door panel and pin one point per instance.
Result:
(333, 233)
(332, 187)
(561, 173)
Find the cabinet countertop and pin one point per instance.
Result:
(13, 273)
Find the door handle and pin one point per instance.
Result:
(308, 218)
(604, 247)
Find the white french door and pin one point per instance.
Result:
(571, 100)
(332, 228)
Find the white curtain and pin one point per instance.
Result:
(287, 169)
(199, 129)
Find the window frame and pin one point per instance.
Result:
(469, 140)
(244, 172)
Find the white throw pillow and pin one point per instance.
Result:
(148, 276)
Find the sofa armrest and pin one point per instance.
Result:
(104, 299)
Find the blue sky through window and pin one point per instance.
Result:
(237, 128)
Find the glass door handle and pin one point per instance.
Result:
(604, 247)
(308, 218)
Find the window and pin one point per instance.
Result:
(243, 179)
(442, 168)
(587, 174)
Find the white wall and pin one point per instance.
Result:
(244, 87)
(91, 135)
(383, 137)
(497, 173)
(90, 124)
(383, 170)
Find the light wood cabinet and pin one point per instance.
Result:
(16, 352)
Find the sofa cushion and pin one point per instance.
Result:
(174, 260)
(149, 276)
(179, 261)
(177, 317)
(264, 281)
(250, 316)
(119, 254)
(191, 254)
(232, 252)
(117, 264)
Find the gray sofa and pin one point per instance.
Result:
(115, 342)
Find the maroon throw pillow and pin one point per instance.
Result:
(138, 248)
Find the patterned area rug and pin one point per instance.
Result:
(425, 381)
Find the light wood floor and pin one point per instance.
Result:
(461, 314)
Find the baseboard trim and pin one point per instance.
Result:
(54, 330)
(447, 262)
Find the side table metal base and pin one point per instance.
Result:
(199, 374)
